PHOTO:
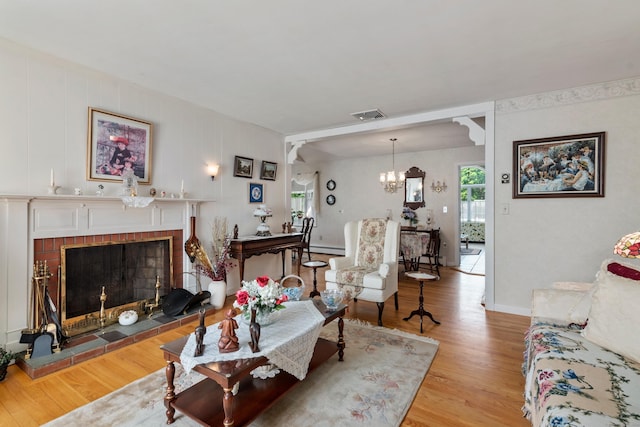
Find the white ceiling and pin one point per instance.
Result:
(294, 66)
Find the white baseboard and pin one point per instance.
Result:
(512, 310)
(330, 250)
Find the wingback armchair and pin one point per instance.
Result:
(371, 261)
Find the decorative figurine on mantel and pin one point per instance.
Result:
(235, 231)
(201, 330)
(228, 342)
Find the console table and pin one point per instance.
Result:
(211, 401)
(246, 247)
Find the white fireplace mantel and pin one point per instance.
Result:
(24, 218)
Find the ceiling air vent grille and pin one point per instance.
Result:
(369, 115)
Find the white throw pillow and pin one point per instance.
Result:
(560, 306)
(615, 315)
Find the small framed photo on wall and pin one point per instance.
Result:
(268, 171)
(243, 167)
(256, 193)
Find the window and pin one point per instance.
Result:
(472, 194)
(301, 205)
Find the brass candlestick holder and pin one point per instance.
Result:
(156, 303)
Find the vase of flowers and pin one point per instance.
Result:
(410, 215)
(216, 266)
(264, 295)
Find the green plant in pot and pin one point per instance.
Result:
(5, 358)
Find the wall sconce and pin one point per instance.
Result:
(213, 171)
(437, 187)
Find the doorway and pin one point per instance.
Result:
(472, 221)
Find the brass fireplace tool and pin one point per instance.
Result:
(103, 317)
(156, 303)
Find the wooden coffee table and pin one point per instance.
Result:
(211, 401)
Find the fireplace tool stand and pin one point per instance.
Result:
(43, 339)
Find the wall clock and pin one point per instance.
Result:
(331, 199)
(331, 185)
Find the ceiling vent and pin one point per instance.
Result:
(369, 115)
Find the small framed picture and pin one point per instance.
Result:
(243, 167)
(268, 171)
(256, 193)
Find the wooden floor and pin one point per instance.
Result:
(475, 379)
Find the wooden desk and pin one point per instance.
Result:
(211, 402)
(246, 247)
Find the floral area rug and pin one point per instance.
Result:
(374, 386)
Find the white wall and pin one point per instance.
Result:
(540, 241)
(359, 194)
(43, 117)
(565, 239)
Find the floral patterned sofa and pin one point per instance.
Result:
(582, 357)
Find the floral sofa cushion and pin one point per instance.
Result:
(573, 382)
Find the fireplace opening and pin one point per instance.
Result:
(127, 271)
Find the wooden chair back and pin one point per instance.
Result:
(307, 228)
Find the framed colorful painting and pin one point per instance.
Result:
(563, 166)
(117, 144)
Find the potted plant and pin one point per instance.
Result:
(5, 358)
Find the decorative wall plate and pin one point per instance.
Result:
(331, 199)
(331, 185)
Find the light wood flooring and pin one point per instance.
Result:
(474, 380)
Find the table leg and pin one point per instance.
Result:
(300, 253)
(314, 292)
(421, 311)
(170, 371)
(227, 404)
(341, 344)
(241, 267)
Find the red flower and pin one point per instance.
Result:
(262, 281)
(242, 297)
(282, 299)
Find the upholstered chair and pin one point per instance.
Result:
(371, 261)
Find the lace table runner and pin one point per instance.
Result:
(288, 343)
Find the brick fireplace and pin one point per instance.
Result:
(78, 315)
(33, 228)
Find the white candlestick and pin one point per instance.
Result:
(52, 181)
(182, 187)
